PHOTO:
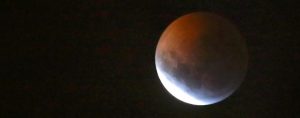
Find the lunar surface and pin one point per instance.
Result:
(201, 58)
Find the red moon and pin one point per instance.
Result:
(201, 58)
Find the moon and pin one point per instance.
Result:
(201, 58)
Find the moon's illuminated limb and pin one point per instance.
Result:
(176, 90)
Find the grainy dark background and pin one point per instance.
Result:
(95, 58)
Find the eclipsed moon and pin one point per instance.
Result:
(201, 58)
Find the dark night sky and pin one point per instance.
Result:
(95, 58)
